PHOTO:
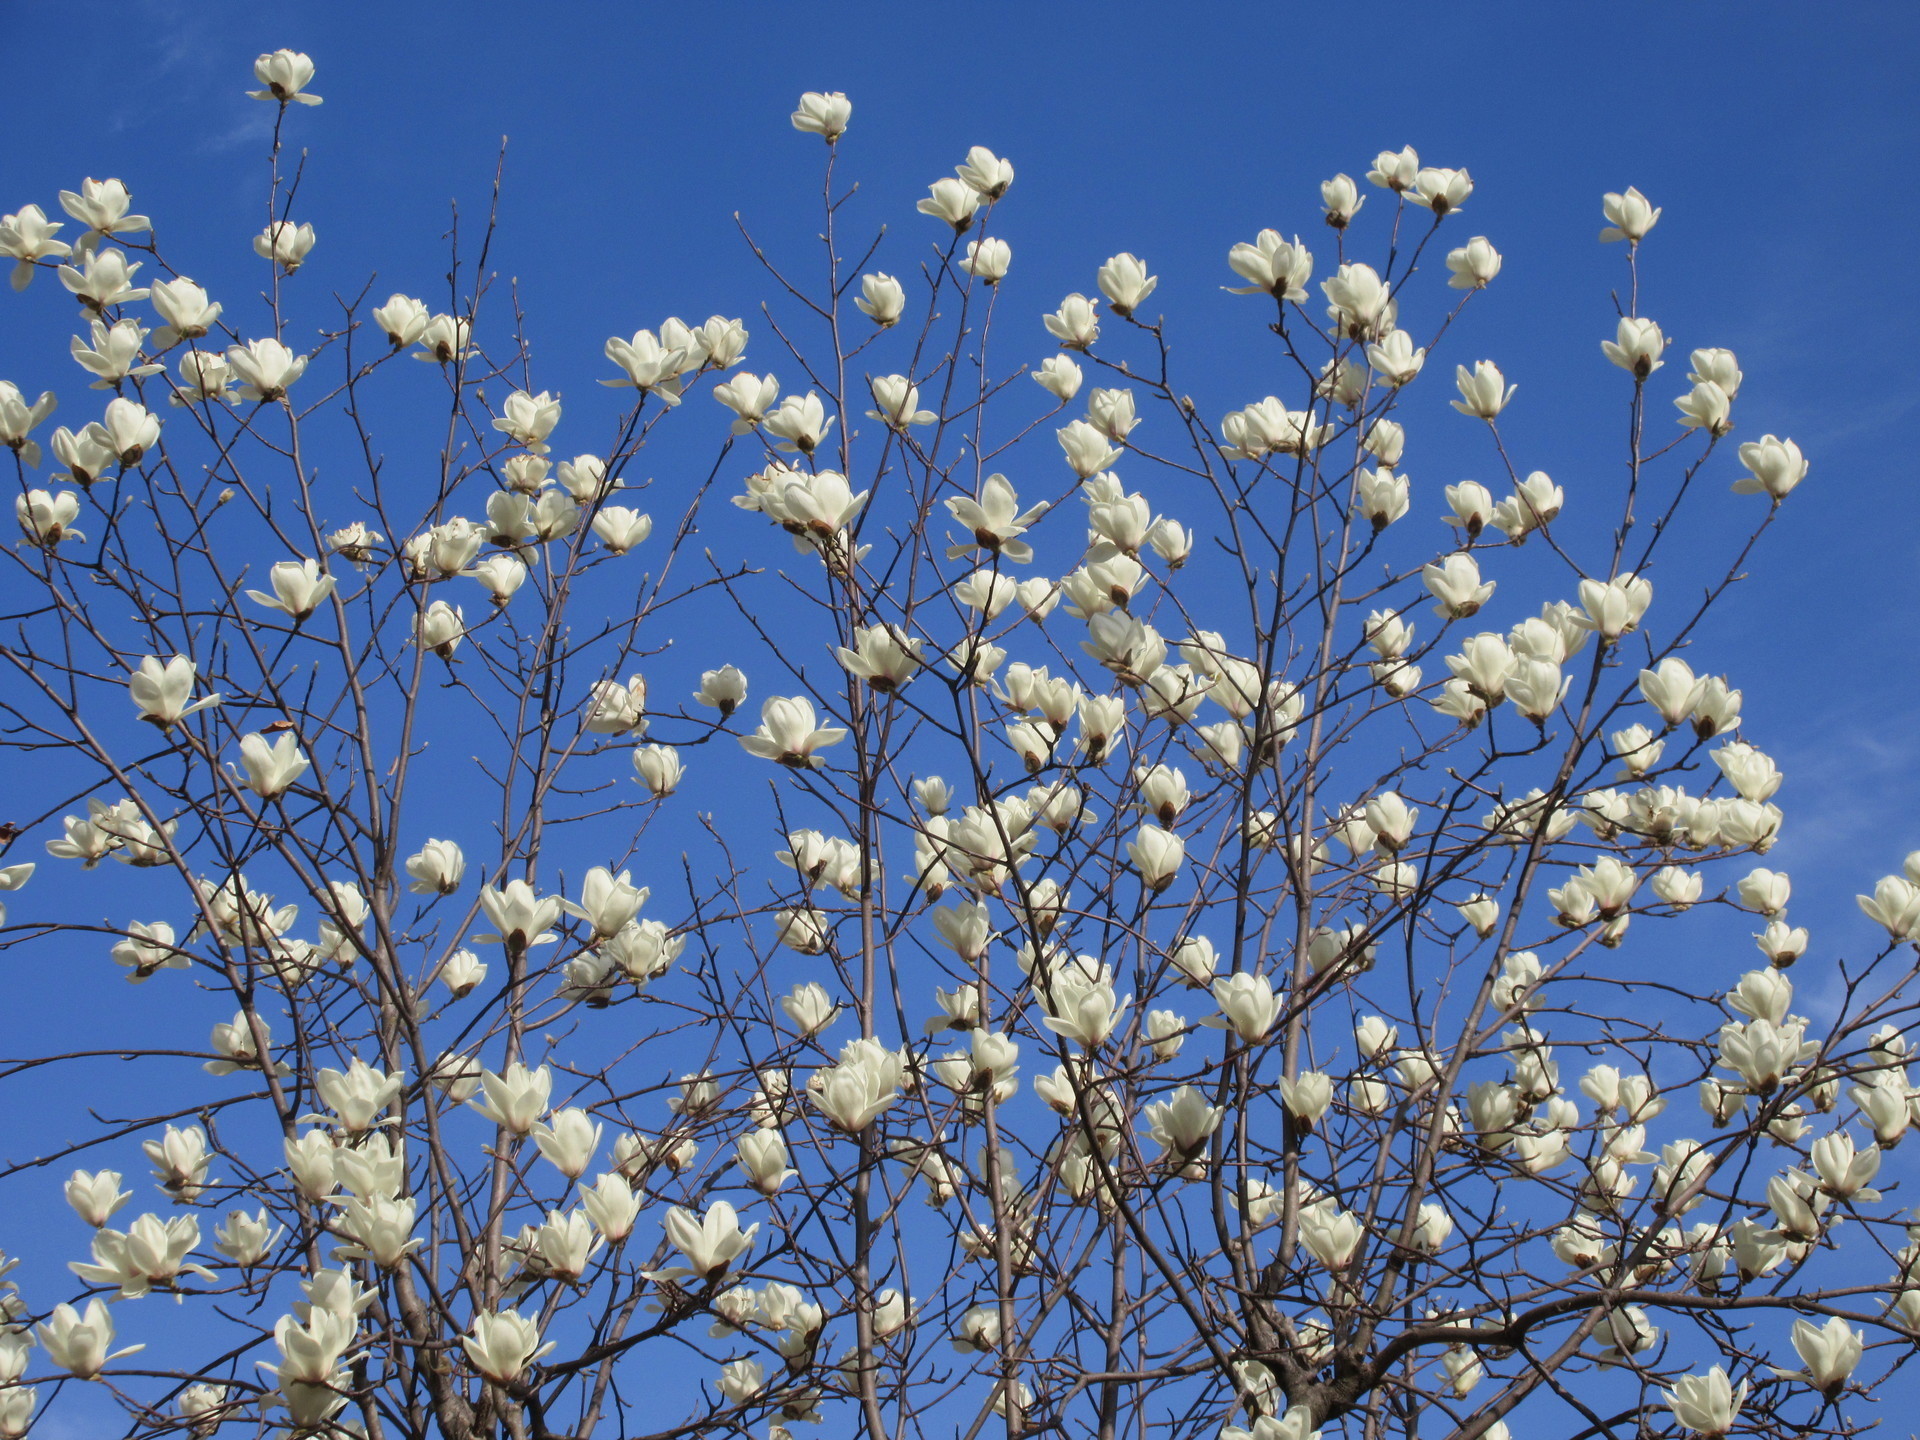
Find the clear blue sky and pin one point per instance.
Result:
(1779, 138)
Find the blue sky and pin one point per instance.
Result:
(1778, 138)
(1778, 141)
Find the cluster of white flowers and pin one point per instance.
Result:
(1291, 998)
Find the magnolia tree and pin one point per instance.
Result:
(1126, 977)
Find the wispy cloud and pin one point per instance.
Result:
(188, 51)
(251, 127)
(1844, 782)
(177, 44)
(1875, 414)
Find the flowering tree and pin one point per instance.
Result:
(1125, 990)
